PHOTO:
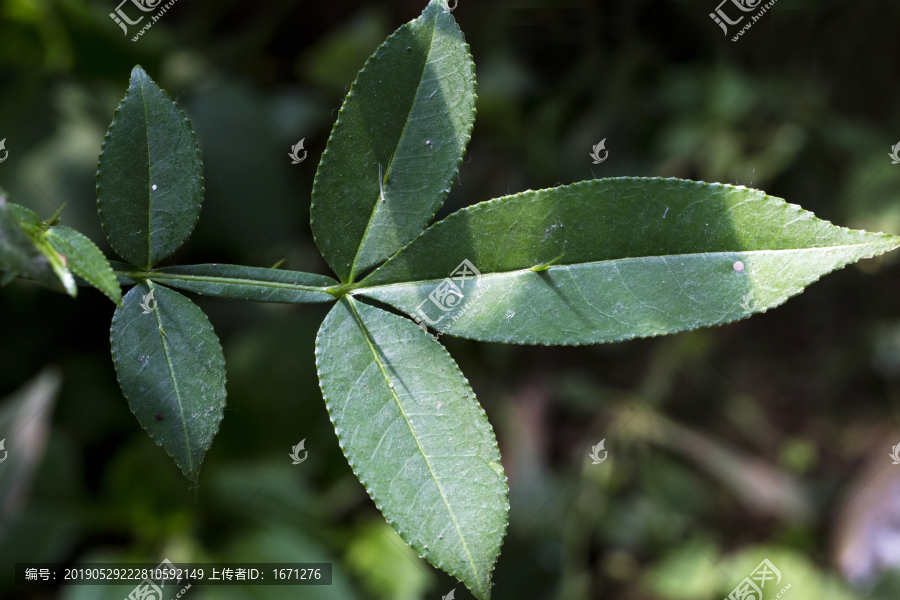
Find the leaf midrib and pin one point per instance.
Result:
(163, 338)
(362, 326)
(149, 178)
(362, 241)
(363, 289)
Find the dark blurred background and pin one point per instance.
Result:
(766, 438)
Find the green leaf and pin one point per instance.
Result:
(19, 256)
(169, 363)
(24, 252)
(633, 258)
(416, 437)
(397, 144)
(150, 177)
(27, 217)
(85, 260)
(247, 283)
(66, 252)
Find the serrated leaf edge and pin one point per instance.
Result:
(106, 139)
(422, 552)
(873, 237)
(78, 272)
(115, 360)
(454, 172)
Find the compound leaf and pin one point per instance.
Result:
(416, 437)
(150, 177)
(85, 260)
(397, 144)
(172, 371)
(613, 259)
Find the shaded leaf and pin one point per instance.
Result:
(85, 260)
(24, 252)
(26, 216)
(397, 144)
(247, 283)
(613, 259)
(416, 437)
(150, 177)
(169, 363)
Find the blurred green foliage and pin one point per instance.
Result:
(715, 437)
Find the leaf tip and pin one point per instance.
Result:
(138, 71)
